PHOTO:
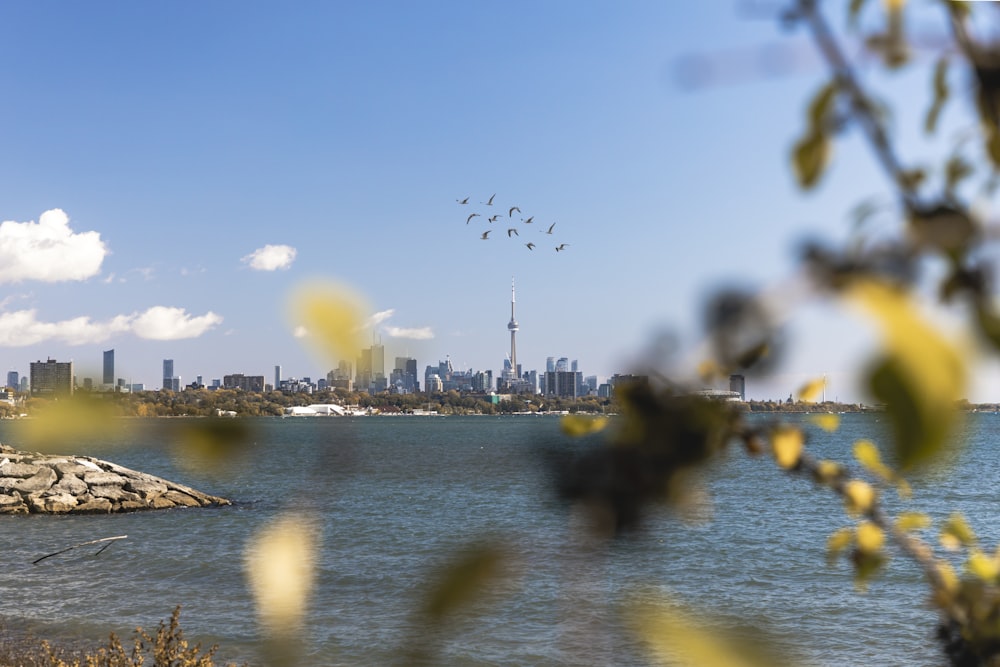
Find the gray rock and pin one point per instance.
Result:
(182, 499)
(40, 481)
(95, 506)
(146, 488)
(70, 483)
(113, 492)
(11, 469)
(60, 503)
(103, 479)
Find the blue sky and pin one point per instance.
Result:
(190, 136)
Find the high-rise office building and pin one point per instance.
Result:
(51, 377)
(13, 381)
(168, 373)
(277, 377)
(109, 367)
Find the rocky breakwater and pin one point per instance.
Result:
(32, 483)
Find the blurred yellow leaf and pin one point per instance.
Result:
(867, 454)
(859, 497)
(827, 472)
(279, 564)
(812, 390)
(787, 443)
(75, 419)
(827, 422)
(921, 378)
(982, 566)
(330, 316)
(908, 522)
(463, 579)
(956, 533)
(949, 579)
(674, 636)
(580, 425)
(837, 542)
(709, 370)
(870, 538)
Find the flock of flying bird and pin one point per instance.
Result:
(511, 231)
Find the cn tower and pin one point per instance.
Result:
(512, 327)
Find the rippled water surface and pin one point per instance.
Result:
(395, 496)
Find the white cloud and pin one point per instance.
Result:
(48, 250)
(419, 333)
(271, 258)
(164, 323)
(379, 317)
(22, 327)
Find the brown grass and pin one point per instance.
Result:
(167, 648)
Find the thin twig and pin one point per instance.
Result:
(82, 544)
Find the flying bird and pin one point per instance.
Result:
(528, 221)
(463, 201)
(490, 202)
(550, 228)
(512, 231)
(531, 246)
(485, 234)
(510, 213)
(471, 216)
(493, 218)
(561, 246)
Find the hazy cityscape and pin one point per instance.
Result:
(369, 372)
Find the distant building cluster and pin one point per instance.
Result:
(561, 378)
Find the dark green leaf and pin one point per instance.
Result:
(809, 158)
(941, 92)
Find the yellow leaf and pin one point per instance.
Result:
(787, 443)
(908, 522)
(922, 378)
(982, 566)
(867, 454)
(827, 422)
(812, 390)
(677, 637)
(709, 370)
(956, 533)
(580, 425)
(331, 317)
(827, 472)
(949, 579)
(903, 488)
(280, 567)
(859, 497)
(837, 542)
(870, 538)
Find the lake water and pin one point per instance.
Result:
(395, 497)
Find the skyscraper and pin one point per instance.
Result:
(51, 377)
(109, 367)
(13, 382)
(277, 377)
(168, 373)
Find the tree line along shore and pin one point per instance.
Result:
(206, 403)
